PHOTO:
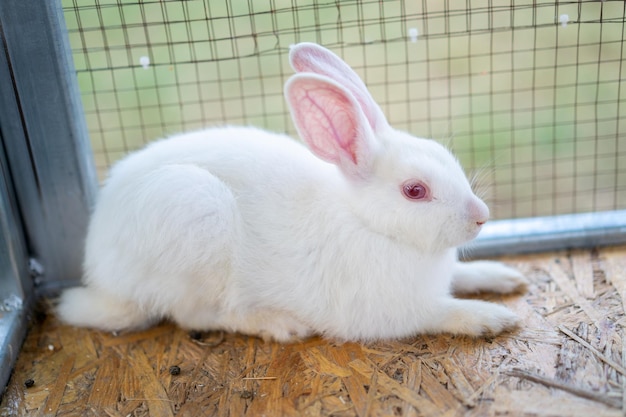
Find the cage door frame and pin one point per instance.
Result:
(45, 138)
(47, 174)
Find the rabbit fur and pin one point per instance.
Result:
(244, 230)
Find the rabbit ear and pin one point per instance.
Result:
(331, 122)
(310, 57)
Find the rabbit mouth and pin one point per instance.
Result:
(475, 230)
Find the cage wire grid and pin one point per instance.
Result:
(527, 94)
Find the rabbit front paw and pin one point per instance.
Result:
(487, 276)
(475, 318)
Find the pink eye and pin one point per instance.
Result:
(415, 190)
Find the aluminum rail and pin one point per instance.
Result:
(541, 234)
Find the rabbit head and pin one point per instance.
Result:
(409, 189)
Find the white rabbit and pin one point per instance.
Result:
(239, 229)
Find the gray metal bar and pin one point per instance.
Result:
(47, 175)
(45, 137)
(12, 333)
(16, 294)
(540, 234)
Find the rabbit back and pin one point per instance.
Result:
(168, 232)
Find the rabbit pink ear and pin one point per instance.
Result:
(330, 121)
(310, 57)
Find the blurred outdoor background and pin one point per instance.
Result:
(528, 94)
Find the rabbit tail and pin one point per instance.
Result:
(90, 307)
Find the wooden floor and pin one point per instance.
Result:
(569, 359)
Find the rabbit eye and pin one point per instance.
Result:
(415, 190)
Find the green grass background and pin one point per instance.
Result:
(536, 111)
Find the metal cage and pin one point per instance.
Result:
(527, 93)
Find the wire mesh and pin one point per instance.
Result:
(528, 94)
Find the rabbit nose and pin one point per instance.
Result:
(479, 212)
